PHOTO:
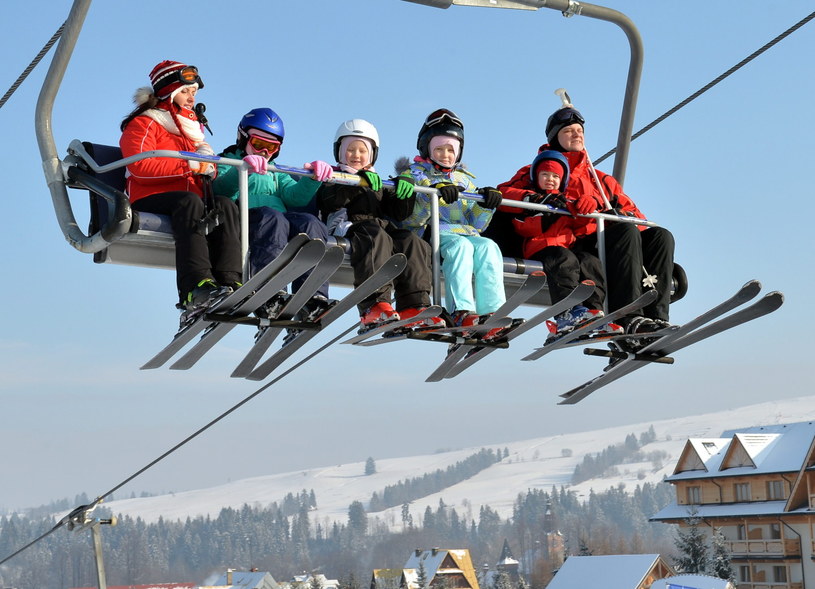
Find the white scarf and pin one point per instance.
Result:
(190, 125)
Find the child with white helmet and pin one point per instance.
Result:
(370, 209)
(473, 265)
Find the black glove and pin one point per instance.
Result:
(492, 197)
(404, 186)
(555, 199)
(448, 192)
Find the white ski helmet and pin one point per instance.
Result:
(357, 128)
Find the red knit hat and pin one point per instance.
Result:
(167, 77)
(550, 166)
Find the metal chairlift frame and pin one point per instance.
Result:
(117, 229)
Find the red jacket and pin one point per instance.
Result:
(156, 175)
(566, 229)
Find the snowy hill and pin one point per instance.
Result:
(532, 464)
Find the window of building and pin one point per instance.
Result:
(741, 533)
(694, 496)
(775, 490)
(742, 491)
(744, 573)
(779, 574)
(775, 531)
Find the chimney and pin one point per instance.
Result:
(435, 551)
(229, 576)
(418, 552)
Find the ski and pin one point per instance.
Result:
(579, 294)
(533, 283)
(471, 335)
(385, 274)
(439, 334)
(391, 329)
(268, 333)
(696, 330)
(309, 257)
(186, 334)
(643, 300)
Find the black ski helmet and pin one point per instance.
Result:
(440, 122)
(562, 117)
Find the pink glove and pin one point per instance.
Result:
(322, 171)
(257, 164)
(583, 205)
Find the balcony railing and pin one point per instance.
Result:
(766, 585)
(790, 547)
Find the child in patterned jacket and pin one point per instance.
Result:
(472, 265)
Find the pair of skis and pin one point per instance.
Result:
(712, 322)
(299, 256)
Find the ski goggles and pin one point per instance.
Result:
(261, 144)
(186, 75)
(567, 116)
(438, 116)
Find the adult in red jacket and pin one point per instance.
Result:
(629, 248)
(208, 262)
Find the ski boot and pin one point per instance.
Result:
(567, 321)
(205, 294)
(465, 318)
(426, 323)
(270, 310)
(376, 315)
(316, 307)
(638, 325)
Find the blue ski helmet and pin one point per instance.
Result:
(263, 119)
(562, 117)
(440, 122)
(555, 156)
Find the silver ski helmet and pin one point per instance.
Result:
(440, 122)
(357, 128)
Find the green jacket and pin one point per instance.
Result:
(272, 189)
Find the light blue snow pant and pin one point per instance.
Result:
(465, 257)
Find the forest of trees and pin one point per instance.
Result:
(285, 543)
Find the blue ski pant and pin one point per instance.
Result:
(473, 268)
(269, 232)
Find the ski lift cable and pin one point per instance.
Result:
(85, 508)
(32, 65)
(708, 86)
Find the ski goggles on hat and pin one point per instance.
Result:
(260, 143)
(186, 75)
(438, 116)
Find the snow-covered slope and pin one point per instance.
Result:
(532, 464)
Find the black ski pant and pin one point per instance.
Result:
(199, 255)
(628, 251)
(565, 269)
(373, 242)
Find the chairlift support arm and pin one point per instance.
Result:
(571, 8)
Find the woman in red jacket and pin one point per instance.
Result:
(629, 247)
(208, 261)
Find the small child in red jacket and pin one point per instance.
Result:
(544, 241)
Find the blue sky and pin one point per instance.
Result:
(729, 175)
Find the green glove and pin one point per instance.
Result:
(372, 179)
(405, 186)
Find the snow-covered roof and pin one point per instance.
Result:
(432, 561)
(762, 449)
(752, 508)
(692, 582)
(249, 580)
(618, 571)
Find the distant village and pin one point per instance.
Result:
(744, 510)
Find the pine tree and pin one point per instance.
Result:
(720, 565)
(501, 581)
(693, 551)
(421, 576)
(370, 466)
(315, 582)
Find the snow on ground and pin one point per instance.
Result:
(539, 463)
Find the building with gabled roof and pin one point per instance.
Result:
(451, 568)
(245, 580)
(692, 582)
(756, 485)
(613, 571)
